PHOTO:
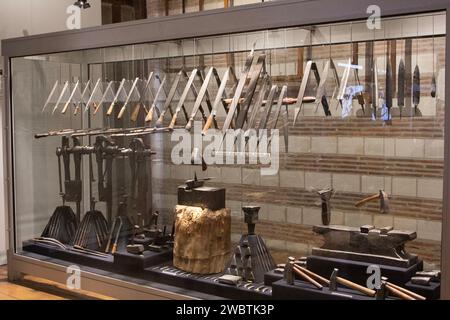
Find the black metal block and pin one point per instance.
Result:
(204, 197)
(431, 292)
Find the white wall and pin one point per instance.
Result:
(29, 17)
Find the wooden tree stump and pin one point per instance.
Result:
(202, 239)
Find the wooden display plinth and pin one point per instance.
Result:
(202, 239)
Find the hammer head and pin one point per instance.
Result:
(384, 202)
(333, 280)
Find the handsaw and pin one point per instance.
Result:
(113, 103)
(401, 86)
(183, 97)
(64, 110)
(169, 99)
(52, 92)
(96, 86)
(238, 91)
(141, 103)
(153, 107)
(130, 94)
(63, 91)
(218, 100)
(105, 93)
(254, 77)
(416, 90)
(201, 95)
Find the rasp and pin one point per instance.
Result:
(141, 103)
(169, 99)
(183, 97)
(301, 92)
(153, 107)
(250, 92)
(389, 88)
(375, 92)
(200, 96)
(124, 107)
(401, 86)
(97, 84)
(63, 91)
(108, 88)
(416, 89)
(113, 103)
(52, 92)
(218, 100)
(237, 95)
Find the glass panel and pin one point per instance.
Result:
(370, 126)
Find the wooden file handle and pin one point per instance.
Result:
(307, 278)
(368, 199)
(111, 108)
(173, 122)
(122, 111)
(149, 117)
(135, 113)
(356, 286)
(208, 124)
(64, 110)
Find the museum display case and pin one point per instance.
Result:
(294, 159)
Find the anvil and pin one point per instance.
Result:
(383, 246)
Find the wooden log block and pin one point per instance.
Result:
(202, 239)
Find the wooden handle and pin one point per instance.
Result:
(122, 111)
(149, 117)
(189, 124)
(160, 120)
(135, 113)
(97, 107)
(77, 108)
(314, 275)
(368, 199)
(174, 121)
(307, 278)
(406, 291)
(398, 293)
(208, 124)
(111, 108)
(114, 248)
(64, 110)
(356, 286)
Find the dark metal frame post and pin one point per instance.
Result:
(283, 14)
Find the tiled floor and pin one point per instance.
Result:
(38, 290)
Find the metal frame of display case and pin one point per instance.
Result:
(262, 16)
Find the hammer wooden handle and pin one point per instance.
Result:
(314, 275)
(406, 291)
(307, 278)
(355, 286)
(368, 199)
(398, 293)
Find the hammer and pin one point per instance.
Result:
(384, 201)
(335, 280)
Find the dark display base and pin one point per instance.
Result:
(124, 263)
(357, 271)
(72, 256)
(137, 263)
(305, 291)
(431, 292)
(271, 277)
(204, 283)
